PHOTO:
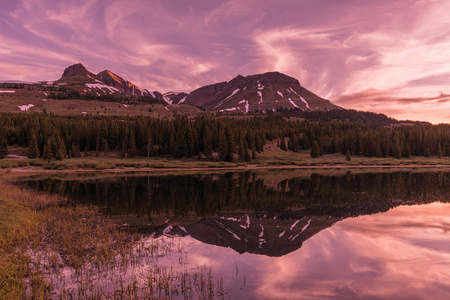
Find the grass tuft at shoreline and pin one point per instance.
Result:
(33, 225)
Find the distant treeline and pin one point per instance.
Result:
(50, 136)
(63, 93)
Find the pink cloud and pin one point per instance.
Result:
(333, 48)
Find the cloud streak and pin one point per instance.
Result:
(336, 49)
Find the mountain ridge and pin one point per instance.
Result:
(79, 74)
(258, 92)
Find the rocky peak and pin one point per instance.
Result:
(77, 69)
(108, 77)
(271, 78)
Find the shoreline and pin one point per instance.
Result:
(15, 173)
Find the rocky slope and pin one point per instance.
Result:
(252, 234)
(271, 91)
(103, 83)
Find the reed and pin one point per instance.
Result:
(52, 250)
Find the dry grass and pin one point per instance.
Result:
(274, 156)
(41, 240)
(32, 223)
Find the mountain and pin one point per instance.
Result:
(124, 86)
(77, 70)
(252, 234)
(271, 91)
(242, 95)
(175, 97)
(103, 83)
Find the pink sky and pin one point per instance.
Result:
(384, 56)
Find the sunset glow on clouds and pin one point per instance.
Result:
(383, 56)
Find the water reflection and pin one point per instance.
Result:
(367, 236)
(401, 254)
(270, 215)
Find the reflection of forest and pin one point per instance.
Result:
(181, 196)
(245, 212)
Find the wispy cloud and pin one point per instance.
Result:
(333, 48)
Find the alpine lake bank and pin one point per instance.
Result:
(40, 237)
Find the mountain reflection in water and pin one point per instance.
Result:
(262, 214)
(381, 235)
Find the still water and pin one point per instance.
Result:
(283, 235)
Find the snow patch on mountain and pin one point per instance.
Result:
(247, 105)
(307, 225)
(304, 101)
(301, 98)
(7, 92)
(182, 228)
(182, 100)
(231, 232)
(167, 99)
(303, 229)
(111, 89)
(167, 229)
(295, 224)
(282, 234)
(227, 98)
(25, 107)
(260, 87)
(261, 240)
(293, 103)
(260, 96)
(230, 109)
(281, 94)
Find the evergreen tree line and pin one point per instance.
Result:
(63, 93)
(339, 196)
(50, 137)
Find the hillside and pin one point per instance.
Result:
(261, 92)
(78, 78)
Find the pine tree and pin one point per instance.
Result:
(33, 149)
(149, 144)
(230, 145)
(246, 154)
(408, 151)
(74, 151)
(397, 150)
(241, 153)
(208, 146)
(54, 145)
(59, 155)
(348, 157)
(315, 150)
(3, 148)
(48, 153)
(222, 145)
(131, 144)
(254, 153)
(439, 151)
(104, 145)
(283, 144)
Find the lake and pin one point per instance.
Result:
(275, 234)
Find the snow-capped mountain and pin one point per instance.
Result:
(269, 236)
(257, 92)
(241, 95)
(103, 83)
